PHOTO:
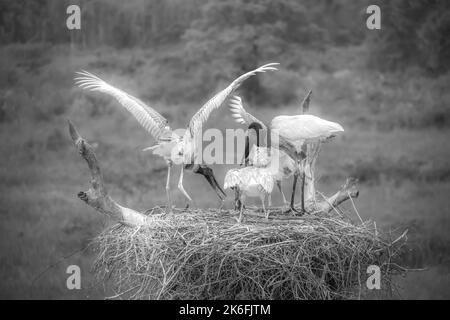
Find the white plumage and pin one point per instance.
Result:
(253, 181)
(240, 115)
(151, 120)
(304, 128)
(250, 182)
(172, 147)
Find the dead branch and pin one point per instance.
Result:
(305, 103)
(97, 196)
(347, 191)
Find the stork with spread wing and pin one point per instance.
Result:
(174, 148)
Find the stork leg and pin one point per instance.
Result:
(169, 198)
(237, 201)
(242, 196)
(266, 212)
(303, 192)
(180, 185)
(294, 187)
(282, 193)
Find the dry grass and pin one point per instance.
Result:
(205, 254)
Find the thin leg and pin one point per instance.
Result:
(282, 193)
(180, 185)
(240, 214)
(270, 200)
(266, 212)
(237, 201)
(169, 199)
(292, 205)
(303, 191)
(294, 186)
(242, 196)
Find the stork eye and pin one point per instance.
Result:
(180, 153)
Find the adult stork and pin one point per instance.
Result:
(176, 149)
(289, 133)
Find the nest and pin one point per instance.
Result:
(206, 254)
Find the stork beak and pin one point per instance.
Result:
(208, 173)
(150, 148)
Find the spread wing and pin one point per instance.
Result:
(150, 119)
(240, 115)
(202, 115)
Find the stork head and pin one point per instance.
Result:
(256, 126)
(208, 173)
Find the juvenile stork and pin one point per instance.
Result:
(279, 163)
(176, 149)
(255, 180)
(289, 133)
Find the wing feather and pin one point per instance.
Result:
(149, 118)
(232, 179)
(202, 115)
(240, 115)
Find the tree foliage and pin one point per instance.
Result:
(104, 22)
(414, 33)
(238, 35)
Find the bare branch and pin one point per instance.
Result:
(305, 103)
(347, 191)
(97, 196)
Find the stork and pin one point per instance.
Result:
(289, 133)
(281, 165)
(256, 180)
(174, 148)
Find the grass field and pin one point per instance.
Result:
(400, 159)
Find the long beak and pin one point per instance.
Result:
(208, 173)
(150, 148)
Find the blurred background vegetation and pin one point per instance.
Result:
(389, 88)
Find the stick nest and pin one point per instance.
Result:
(206, 254)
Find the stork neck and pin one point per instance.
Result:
(247, 149)
(269, 138)
(258, 128)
